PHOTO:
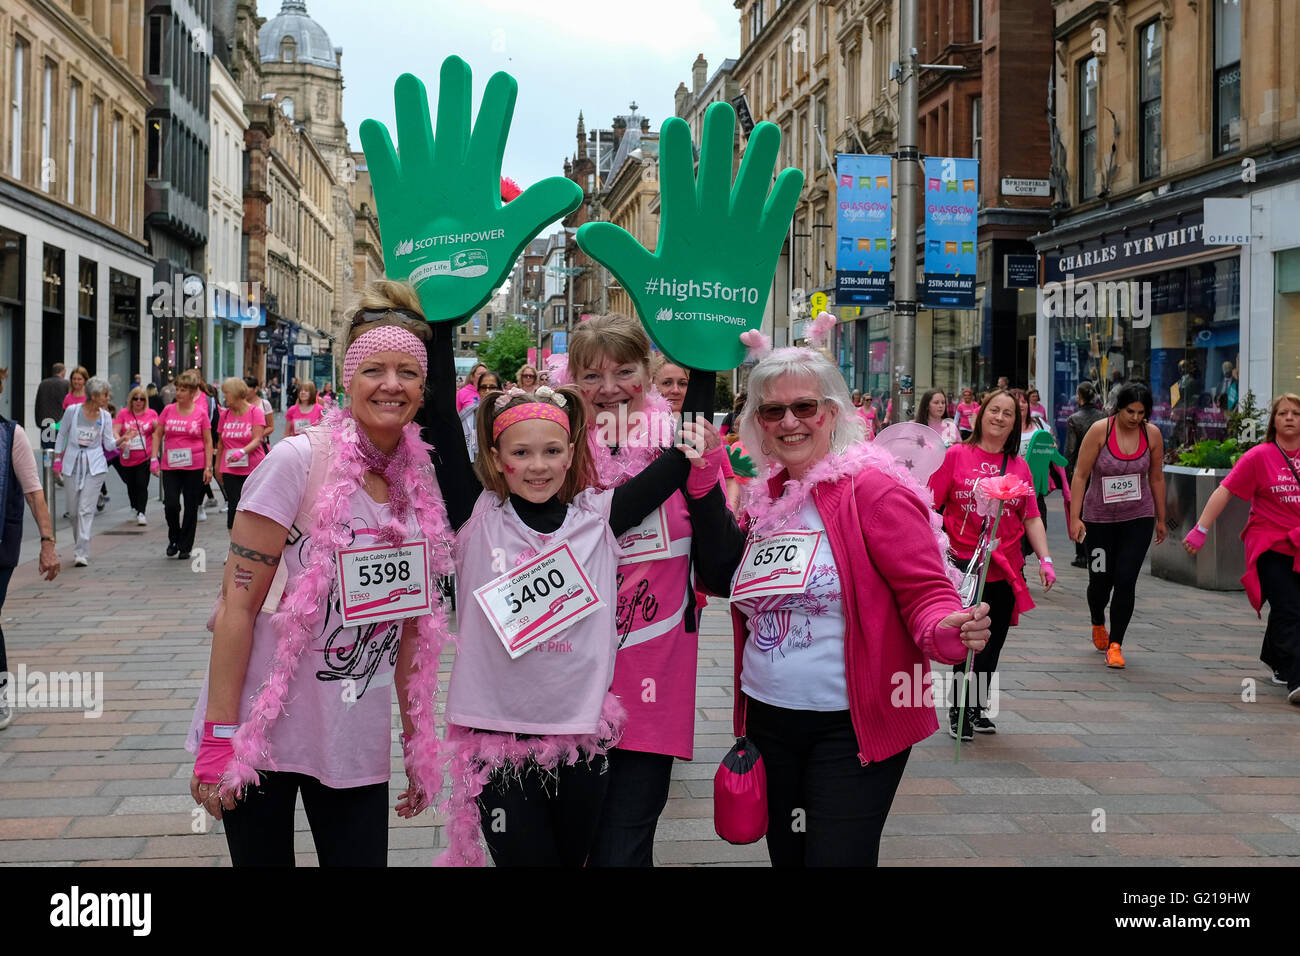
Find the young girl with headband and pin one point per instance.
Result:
(529, 712)
(328, 601)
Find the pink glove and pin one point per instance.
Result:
(215, 751)
(1049, 572)
(703, 480)
(58, 466)
(421, 800)
(155, 466)
(1196, 538)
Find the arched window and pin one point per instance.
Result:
(287, 49)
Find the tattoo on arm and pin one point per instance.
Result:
(243, 577)
(242, 552)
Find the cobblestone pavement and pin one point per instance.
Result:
(1184, 770)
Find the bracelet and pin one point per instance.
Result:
(46, 537)
(1202, 530)
(1046, 559)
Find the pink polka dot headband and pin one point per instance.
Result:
(522, 413)
(383, 338)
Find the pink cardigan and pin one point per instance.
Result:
(896, 592)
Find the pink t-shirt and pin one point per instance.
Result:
(236, 433)
(952, 486)
(297, 421)
(965, 413)
(71, 399)
(135, 453)
(340, 743)
(1263, 477)
(467, 395)
(558, 687)
(180, 433)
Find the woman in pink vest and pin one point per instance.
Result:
(838, 585)
(305, 653)
(303, 414)
(240, 429)
(1268, 476)
(182, 450)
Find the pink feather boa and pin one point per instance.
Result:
(648, 433)
(767, 515)
(305, 599)
(473, 757)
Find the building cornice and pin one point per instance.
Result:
(74, 30)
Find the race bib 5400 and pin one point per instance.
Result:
(536, 600)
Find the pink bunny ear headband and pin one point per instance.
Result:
(384, 338)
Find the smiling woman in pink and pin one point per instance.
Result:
(182, 449)
(304, 413)
(136, 422)
(240, 426)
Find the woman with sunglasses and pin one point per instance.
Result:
(526, 378)
(135, 423)
(993, 449)
(182, 450)
(468, 394)
(848, 587)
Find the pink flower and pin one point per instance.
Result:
(1003, 488)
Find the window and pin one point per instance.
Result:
(755, 20)
(47, 174)
(819, 122)
(851, 83)
(70, 171)
(1227, 75)
(880, 58)
(805, 46)
(95, 107)
(155, 46)
(1087, 128)
(153, 150)
(805, 152)
(1149, 104)
(976, 126)
(787, 63)
(112, 165)
(977, 20)
(771, 83)
(823, 30)
(130, 181)
(17, 96)
(287, 50)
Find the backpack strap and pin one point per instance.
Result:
(318, 437)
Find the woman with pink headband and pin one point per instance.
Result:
(297, 693)
(529, 710)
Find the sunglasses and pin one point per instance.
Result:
(489, 387)
(138, 398)
(527, 378)
(804, 408)
(370, 315)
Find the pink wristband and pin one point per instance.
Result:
(1196, 538)
(703, 480)
(215, 751)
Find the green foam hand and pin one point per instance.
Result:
(708, 279)
(742, 466)
(441, 220)
(1041, 454)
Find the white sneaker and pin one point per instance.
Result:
(6, 708)
(222, 509)
(203, 514)
(81, 562)
(140, 519)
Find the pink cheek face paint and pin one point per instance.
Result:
(509, 470)
(821, 421)
(637, 389)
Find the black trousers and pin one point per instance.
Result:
(637, 794)
(178, 484)
(348, 826)
(1002, 602)
(1280, 587)
(136, 479)
(1116, 550)
(233, 487)
(541, 818)
(823, 807)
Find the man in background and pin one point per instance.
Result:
(49, 402)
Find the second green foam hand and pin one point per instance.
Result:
(708, 279)
(441, 220)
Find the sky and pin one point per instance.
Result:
(567, 55)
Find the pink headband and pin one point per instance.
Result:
(521, 413)
(384, 338)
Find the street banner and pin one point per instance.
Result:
(863, 222)
(710, 274)
(951, 212)
(442, 220)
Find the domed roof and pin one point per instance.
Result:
(311, 44)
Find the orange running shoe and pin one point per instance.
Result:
(1114, 657)
(1100, 639)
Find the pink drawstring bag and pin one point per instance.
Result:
(740, 795)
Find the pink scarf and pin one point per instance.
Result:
(649, 432)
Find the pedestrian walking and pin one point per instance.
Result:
(1076, 427)
(19, 481)
(240, 429)
(932, 410)
(303, 414)
(76, 387)
(993, 449)
(49, 401)
(135, 423)
(1266, 476)
(966, 410)
(468, 393)
(815, 663)
(1121, 464)
(80, 454)
(259, 398)
(182, 450)
(270, 721)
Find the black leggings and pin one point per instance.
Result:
(1280, 586)
(136, 479)
(348, 826)
(823, 807)
(1001, 600)
(232, 486)
(1116, 550)
(540, 818)
(638, 792)
(178, 484)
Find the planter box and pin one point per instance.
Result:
(1221, 563)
